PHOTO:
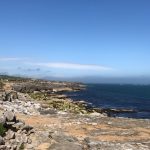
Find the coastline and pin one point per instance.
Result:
(60, 122)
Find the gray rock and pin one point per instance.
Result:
(10, 135)
(2, 120)
(24, 138)
(18, 125)
(10, 116)
(10, 123)
(19, 138)
(1, 141)
(27, 128)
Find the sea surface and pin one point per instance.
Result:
(117, 96)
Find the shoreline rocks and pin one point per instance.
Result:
(53, 121)
(15, 133)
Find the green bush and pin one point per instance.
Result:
(2, 130)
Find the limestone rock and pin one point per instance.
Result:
(1, 141)
(10, 135)
(18, 125)
(27, 128)
(10, 116)
(2, 120)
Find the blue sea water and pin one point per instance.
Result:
(135, 97)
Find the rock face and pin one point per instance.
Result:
(16, 135)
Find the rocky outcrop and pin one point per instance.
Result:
(14, 134)
(46, 86)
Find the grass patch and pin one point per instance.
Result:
(2, 130)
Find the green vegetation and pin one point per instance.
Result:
(39, 96)
(2, 130)
(60, 103)
(21, 147)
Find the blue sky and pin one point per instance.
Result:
(75, 38)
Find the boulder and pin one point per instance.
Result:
(27, 128)
(18, 125)
(2, 120)
(10, 135)
(10, 116)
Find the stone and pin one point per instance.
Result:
(10, 135)
(27, 128)
(10, 116)
(1, 141)
(19, 138)
(24, 138)
(18, 125)
(2, 120)
(10, 123)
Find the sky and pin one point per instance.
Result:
(75, 38)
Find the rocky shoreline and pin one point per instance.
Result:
(55, 122)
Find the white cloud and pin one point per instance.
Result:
(11, 59)
(72, 66)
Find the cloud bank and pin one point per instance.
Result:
(72, 66)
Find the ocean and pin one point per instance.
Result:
(117, 96)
